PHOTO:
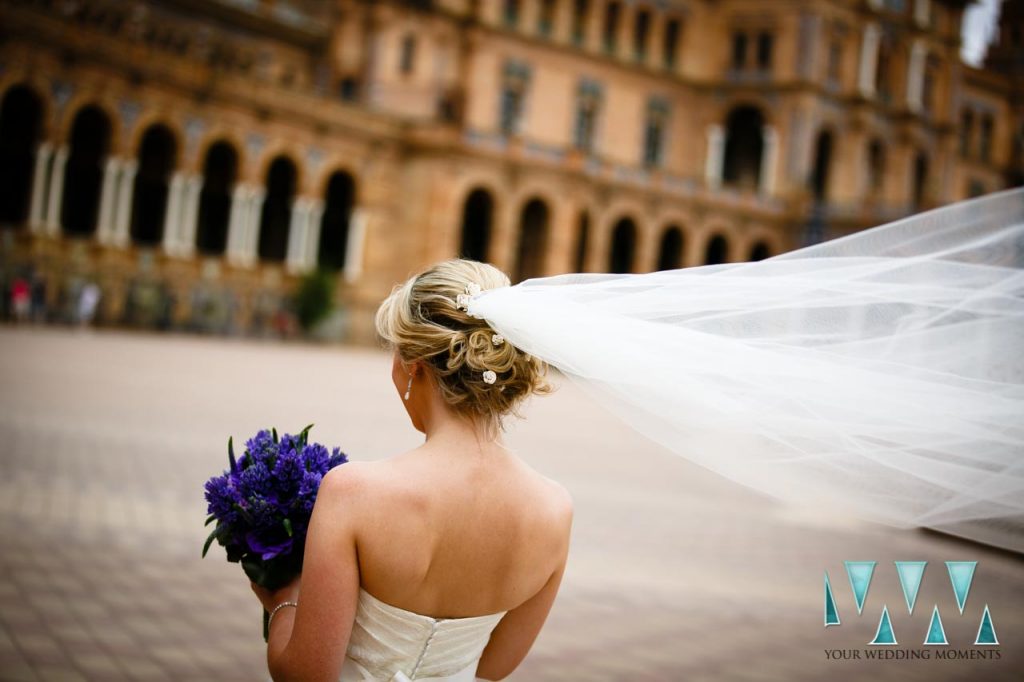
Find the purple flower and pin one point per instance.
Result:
(265, 548)
(220, 499)
(263, 504)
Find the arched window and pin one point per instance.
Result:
(83, 174)
(883, 70)
(610, 30)
(511, 14)
(717, 250)
(670, 252)
(333, 248)
(985, 137)
(477, 215)
(282, 180)
(744, 146)
(623, 246)
(930, 85)
(966, 131)
(920, 181)
(220, 170)
(876, 168)
(533, 235)
(407, 56)
(760, 251)
(822, 165)
(157, 159)
(21, 116)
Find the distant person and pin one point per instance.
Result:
(20, 299)
(38, 297)
(88, 299)
(5, 296)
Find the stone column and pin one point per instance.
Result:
(236, 223)
(190, 216)
(868, 59)
(647, 248)
(40, 180)
(599, 244)
(123, 211)
(56, 197)
(504, 234)
(922, 12)
(529, 16)
(624, 47)
(915, 75)
(314, 223)
(768, 160)
(356, 241)
(108, 201)
(172, 215)
(250, 253)
(296, 235)
(561, 31)
(656, 38)
(593, 27)
(715, 156)
(561, 238)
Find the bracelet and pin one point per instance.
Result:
(270, 620)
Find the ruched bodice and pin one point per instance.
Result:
(389, 644)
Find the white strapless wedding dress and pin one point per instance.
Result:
(389, 644)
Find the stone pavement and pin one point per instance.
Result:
(675, 574)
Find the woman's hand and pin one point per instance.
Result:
(270, 599)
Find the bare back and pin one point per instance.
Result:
(460, 535)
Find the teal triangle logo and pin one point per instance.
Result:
(859, 573)
(986, 631)
(961, 573)
(936, 633)
(884, 636)
(831, 613)
(910, 573)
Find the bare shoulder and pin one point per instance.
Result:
(346, 482)
(558, 502)
(368, 482)
(562, 499)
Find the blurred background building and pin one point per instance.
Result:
(196, 159)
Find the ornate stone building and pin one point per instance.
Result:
(237, 144)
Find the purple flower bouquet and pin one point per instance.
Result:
(262, 504)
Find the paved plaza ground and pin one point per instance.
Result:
(675, 574)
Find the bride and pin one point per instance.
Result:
(440, 563)
(878, 374)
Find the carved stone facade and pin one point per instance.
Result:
(241, 144)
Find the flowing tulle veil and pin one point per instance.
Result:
(879, 374)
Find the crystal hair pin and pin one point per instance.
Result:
(497, 339)
(489, 376)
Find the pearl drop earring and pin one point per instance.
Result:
(408, 388)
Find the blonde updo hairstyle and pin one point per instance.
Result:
(422, 321)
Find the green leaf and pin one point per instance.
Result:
(209, 540)
(288, 527)
(274, 431)
(256, 570)
(304, 434)
(231, 455)
(209, 519)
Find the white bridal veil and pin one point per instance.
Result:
(879, 374)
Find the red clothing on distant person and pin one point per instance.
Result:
(20, 298)
(19, 290)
